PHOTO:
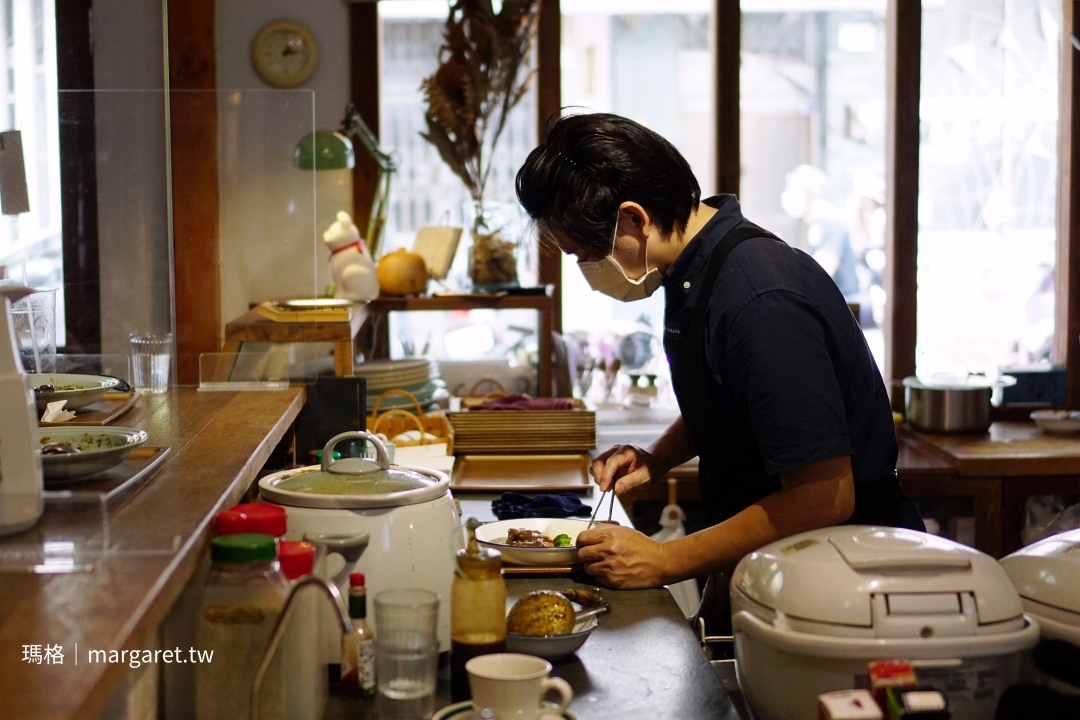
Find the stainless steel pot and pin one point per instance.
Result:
(954, 406)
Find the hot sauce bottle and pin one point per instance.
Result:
(477, 609)
(358, 647)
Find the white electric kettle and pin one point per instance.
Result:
(21, 501)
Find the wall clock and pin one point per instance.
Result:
(285, 53)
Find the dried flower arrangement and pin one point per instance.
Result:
(483, 73)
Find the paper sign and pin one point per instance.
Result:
(13, 194)
(437, 244)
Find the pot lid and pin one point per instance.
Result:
(958, 382)
(832, 576)
(1048, 571)
(354, 482)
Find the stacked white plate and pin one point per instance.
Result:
(417, 376)
(523, 431)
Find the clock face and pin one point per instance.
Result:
(285, 53)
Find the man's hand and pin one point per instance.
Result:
(623, 466)
(622, 557)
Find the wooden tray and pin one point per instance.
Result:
(104, 411)
(116, 482)
(520, 473)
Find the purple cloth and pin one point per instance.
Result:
(524, 402)
(512, 506)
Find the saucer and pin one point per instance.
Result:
(465, 711)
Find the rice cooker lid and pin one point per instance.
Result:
(1048, 571)
(354, 483)
(830, 575)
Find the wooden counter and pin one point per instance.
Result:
(999, 469)
(219, 441)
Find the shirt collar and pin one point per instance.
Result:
(691, 261)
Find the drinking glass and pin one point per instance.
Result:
(406, 642)
(34, 318)
(151, 354)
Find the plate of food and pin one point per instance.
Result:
(72, 453)
(78, 390)
(533, 541)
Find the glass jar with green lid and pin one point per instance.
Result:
(244, 595)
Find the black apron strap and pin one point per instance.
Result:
(695, 404)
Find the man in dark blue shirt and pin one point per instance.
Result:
(780, 398)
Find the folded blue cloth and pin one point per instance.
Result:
(512, 505)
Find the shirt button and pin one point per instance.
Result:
(686, 285)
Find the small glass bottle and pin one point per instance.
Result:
(358, 647)
(477, 609)
(244, 595)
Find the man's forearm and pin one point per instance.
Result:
(673, 448)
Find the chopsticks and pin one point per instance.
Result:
(600, 502)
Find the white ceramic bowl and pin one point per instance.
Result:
(1057, 421)
(493, 535)
(99, 449)
(78, 390)
(552, 647)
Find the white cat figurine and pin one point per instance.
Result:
(350, 264)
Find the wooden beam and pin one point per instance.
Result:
(78, 177)
(194, 151)
(548, 101)
(1067, 266)
(728, 41)
(904, 30)
(364, 72)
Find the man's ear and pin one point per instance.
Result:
(636, 215)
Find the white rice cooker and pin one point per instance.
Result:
(1046, 574)
(392, 523)
(811, 611)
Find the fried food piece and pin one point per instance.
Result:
(541, 612)
(585, 598)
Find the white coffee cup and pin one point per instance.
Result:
(514, 685)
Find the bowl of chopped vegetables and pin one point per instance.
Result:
(533, 541)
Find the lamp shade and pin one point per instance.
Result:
(324, 150)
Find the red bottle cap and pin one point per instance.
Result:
(264, 518)
(296, 557)
(356, 579)
(230, 522)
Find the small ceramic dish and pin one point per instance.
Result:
(493, 535)
(78, 390)
(552, 647)
(1057, 421)
(99, 449)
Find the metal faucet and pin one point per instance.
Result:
(332, 594)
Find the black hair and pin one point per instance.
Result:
(591, 163)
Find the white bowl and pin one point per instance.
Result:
(493, 535)
(99, 449)
(552, 647)
(1057, 421)
(78, 390)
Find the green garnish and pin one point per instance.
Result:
(562, 540)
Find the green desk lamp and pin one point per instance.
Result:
(333, 150)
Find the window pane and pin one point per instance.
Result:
(812, 124)
(988, 170)
(30, 243)
(425, 192)
(651, 61)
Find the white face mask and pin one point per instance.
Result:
(608, 277)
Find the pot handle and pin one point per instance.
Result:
(354, 466)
